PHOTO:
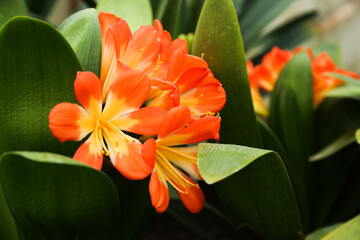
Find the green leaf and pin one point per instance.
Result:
(345, 91)
(189, 15)
(82, 30)
(53, 196)
(134, 12)
(322, 232)
(268, 204)
(335, 146)
(11, 8)
(257, 14)
(357, 135)
(349, 230)
(218, 37)
(291, 118)
(38, 69)
(346, 79)
(8, 229)
(168, 13)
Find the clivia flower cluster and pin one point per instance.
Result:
(264, 75)
(149, 85)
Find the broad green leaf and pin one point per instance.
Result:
(53, 196)
(8, 229)
(38, 69)
(345, 91)
(335, 146)
(268, 204)
(11, 8)
(218, 37)
(168, 13)
(349, 230)
(322, 232)
(291, 118)
(257, 14)
(134, 12)
(82, 30)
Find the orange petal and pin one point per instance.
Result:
(167, 100)
(159, 193)
(145, 121)
(177, 44)
(194, 199)
(199, 130)
(88, 153)
(206, 97)
(143, 49)
(127, 158)
(88, 91)
(148, 151)
(176, 120)
(69, 122)
(122, 34)
(127, 93)
(259, 105)
(106, 20)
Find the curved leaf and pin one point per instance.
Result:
(135, 12)
(53, 196)
(168, 13)
(322, 232)
(267, 205)
(38, 69)
(82, 30)
(11, 8)
(349, 230)
(345, 91)
(291, 118)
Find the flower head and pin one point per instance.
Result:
(173, 158)
(71, 122)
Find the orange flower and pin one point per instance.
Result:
(191, 83)
(71, 122)
(321, 66)
(269, 69)
(177, 130)
(258, 102)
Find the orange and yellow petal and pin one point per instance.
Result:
(259, 105)
(122, 35)
(88, 92)
(199, 130)
(127, 157)
(69, 122)
(145, 121)
(167, 99)
(193, 198)
(143, 49)
(159, 192)
(89, 153)
(127, 93)
(182, 157)
(176, 119)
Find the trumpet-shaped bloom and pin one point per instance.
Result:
(258, 102)
(173, 159)
(193, 85)
(321, 66)
(71, 122)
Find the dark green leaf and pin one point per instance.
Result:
(168, 13)
(52, 196)
(11, 8)
(291, 118)
(257, 14)
(8, 229)
(335, 146)
(268, 204)
(218, 37)
(322, 232)
(189, 15)
(38, 69)
(134, 12)
(82, 30)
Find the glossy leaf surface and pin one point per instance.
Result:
(82, 31)
(52, 196)
(268, 205)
